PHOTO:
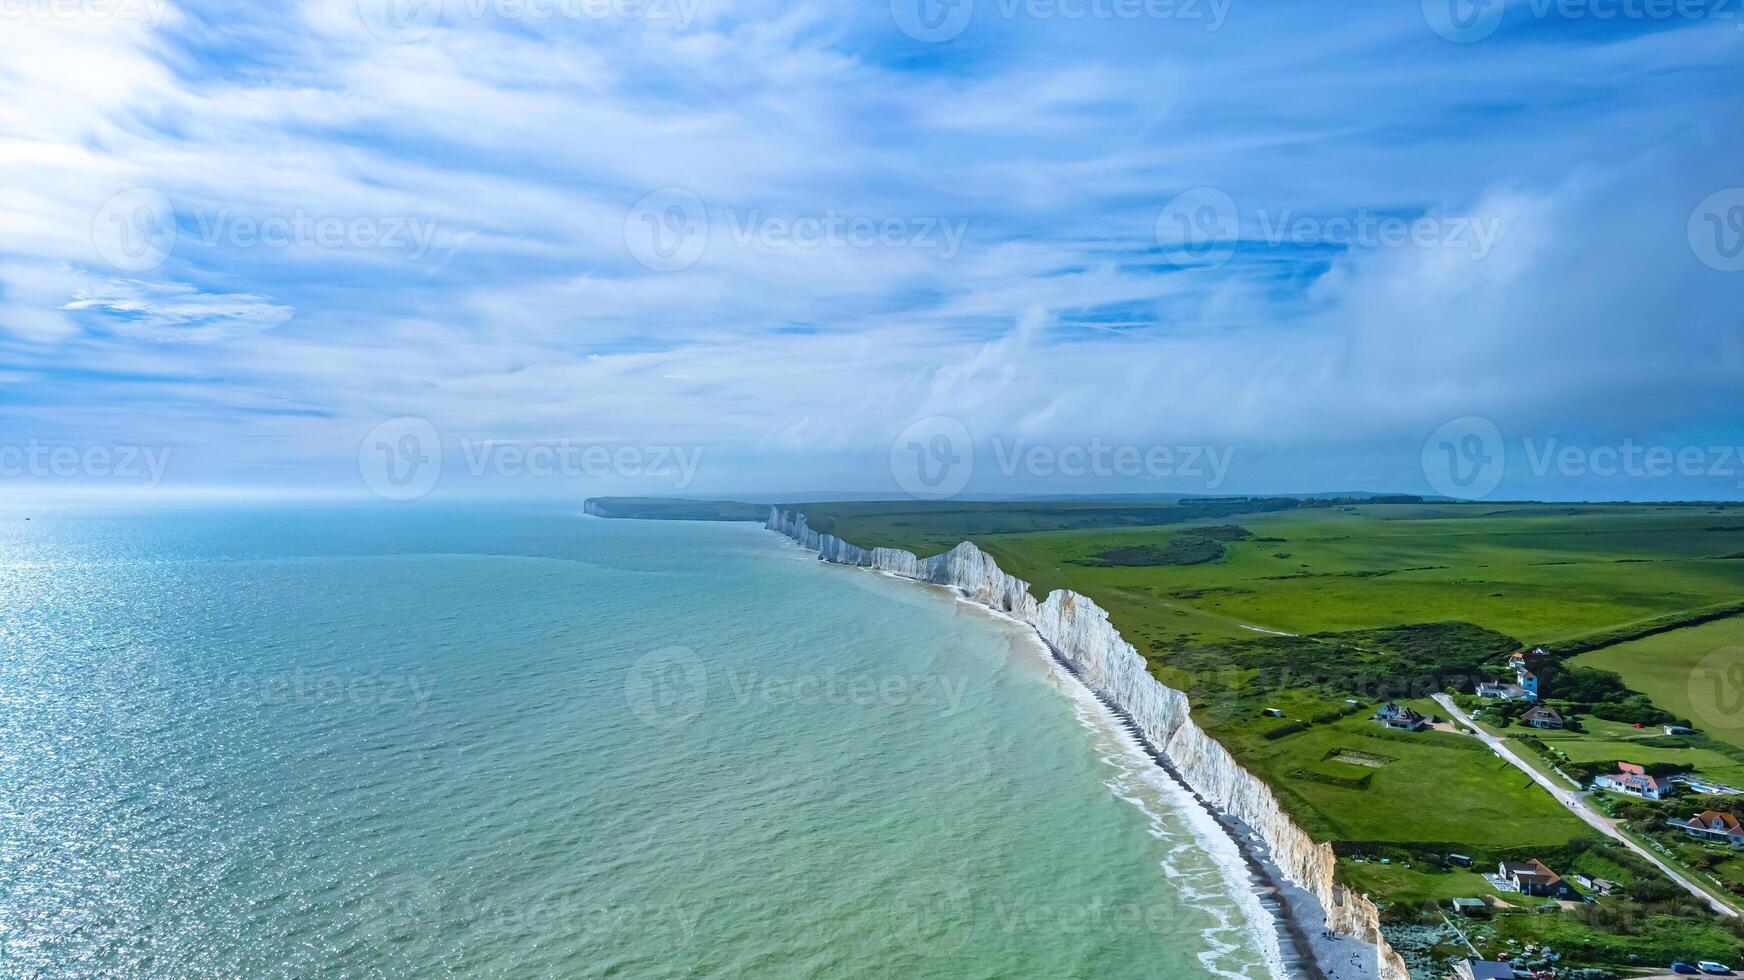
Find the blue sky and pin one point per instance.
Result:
(802, 249)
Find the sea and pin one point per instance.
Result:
(349, 741)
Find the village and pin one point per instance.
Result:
(1661, 802)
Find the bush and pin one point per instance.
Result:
(1289, 729)
(1635, 710)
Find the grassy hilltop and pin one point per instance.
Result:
(1318, 610)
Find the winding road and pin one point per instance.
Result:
(1577, 805)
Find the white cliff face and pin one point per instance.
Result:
(1080, 630)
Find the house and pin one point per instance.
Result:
(1506, 692)
(1528, 682)
(1524, 678)
(1713, 825)
(1400, 718)
(1632, 780)
(1542, 716)
(1471, 907)
(1533, 878)
(1483, 970)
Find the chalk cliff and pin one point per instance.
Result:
(1080, 630)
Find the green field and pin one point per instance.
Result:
(1694, 672)
(1321, 609)
(1353, 780)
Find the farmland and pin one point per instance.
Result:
(1693, 672)
(1288, 621)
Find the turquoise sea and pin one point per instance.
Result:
(368, 742)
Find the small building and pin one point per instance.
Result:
(1633, 780)
(1400, 718)
(1496, 690)
(1275, 712)
(1678, 730)
(1534, 878)
(1471, 907)
(1713, 825)
(1459, 860)
(1542, 716)
(1528, 682)
(1483, 970)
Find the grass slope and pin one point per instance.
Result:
(1689, 672)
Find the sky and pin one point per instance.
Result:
(430, 249)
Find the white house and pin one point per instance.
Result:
(1632, 780)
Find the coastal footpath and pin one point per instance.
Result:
(1080, 631)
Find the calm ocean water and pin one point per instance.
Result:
(382, 742)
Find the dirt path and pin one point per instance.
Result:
(1578, 806)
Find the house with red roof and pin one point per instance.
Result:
(1534, 878)
(1713, 825)
(1633, 780)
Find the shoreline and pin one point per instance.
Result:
(1284, 946)
(1310, 943)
